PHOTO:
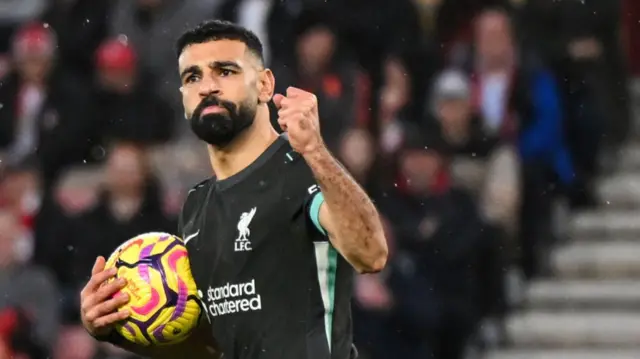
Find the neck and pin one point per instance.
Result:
(32, 82)
(496, 65)
(126, 194)
(245, 149)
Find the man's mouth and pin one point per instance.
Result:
(213, 109)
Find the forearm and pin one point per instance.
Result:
(356, 230)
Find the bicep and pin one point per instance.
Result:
(325, 221)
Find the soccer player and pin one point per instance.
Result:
(274, 237)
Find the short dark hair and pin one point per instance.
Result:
(212, 30)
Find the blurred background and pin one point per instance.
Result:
(497, 137)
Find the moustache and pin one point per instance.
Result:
(214, 101)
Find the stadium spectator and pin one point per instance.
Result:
(15, 13)
(28, 291)
(125, 102)
(358, 153)
(481, 162)
(20, 194)
(518, 101)
(150, 27)
(433, 278)
(332, 75)
(581, 43)
(45, 113)
(271, 20)
(395, 96)
(81, 26)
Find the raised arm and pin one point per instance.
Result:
(347, 214)
(344, 209)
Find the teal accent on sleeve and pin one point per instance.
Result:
(314, 212)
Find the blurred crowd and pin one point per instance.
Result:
(473, 124)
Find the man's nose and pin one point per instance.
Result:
(209, 86)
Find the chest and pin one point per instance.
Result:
(236, 234)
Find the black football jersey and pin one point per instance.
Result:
(271, 284)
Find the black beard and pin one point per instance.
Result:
(219, 129)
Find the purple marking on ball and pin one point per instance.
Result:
(172, 297)
(146, 251)
(183, 295)
(143, 269)
(181, 305)
(129, 328)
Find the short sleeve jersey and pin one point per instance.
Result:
(272, 284)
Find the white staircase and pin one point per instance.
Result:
(590, 307)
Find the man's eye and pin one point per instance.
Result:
(192, 78)
(226, 72)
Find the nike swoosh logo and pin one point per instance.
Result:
(191, 236)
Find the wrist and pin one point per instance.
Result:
(316, 154)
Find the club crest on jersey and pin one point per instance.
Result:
(242, 243)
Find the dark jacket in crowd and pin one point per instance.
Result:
(445, 272)
(140, 116)
(64, 126)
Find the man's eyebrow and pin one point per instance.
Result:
(224, 65)
(193, 69)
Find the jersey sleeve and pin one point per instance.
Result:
(313, 203)
(308, 194)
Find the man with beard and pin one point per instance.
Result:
(273, 237)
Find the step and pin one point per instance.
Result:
(565, 354)
(605, 223)
(615, 259)
(620, 190)
(614, 295)
(539, 330)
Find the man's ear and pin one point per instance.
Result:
(266, 85)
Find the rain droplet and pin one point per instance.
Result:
(123, 39)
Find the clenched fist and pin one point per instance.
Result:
(98, 306)
(298, 116)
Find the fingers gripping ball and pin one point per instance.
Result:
(163, 303)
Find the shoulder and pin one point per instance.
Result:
(196, 195)
(299, 181)
(298, 174)
(303, 194)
